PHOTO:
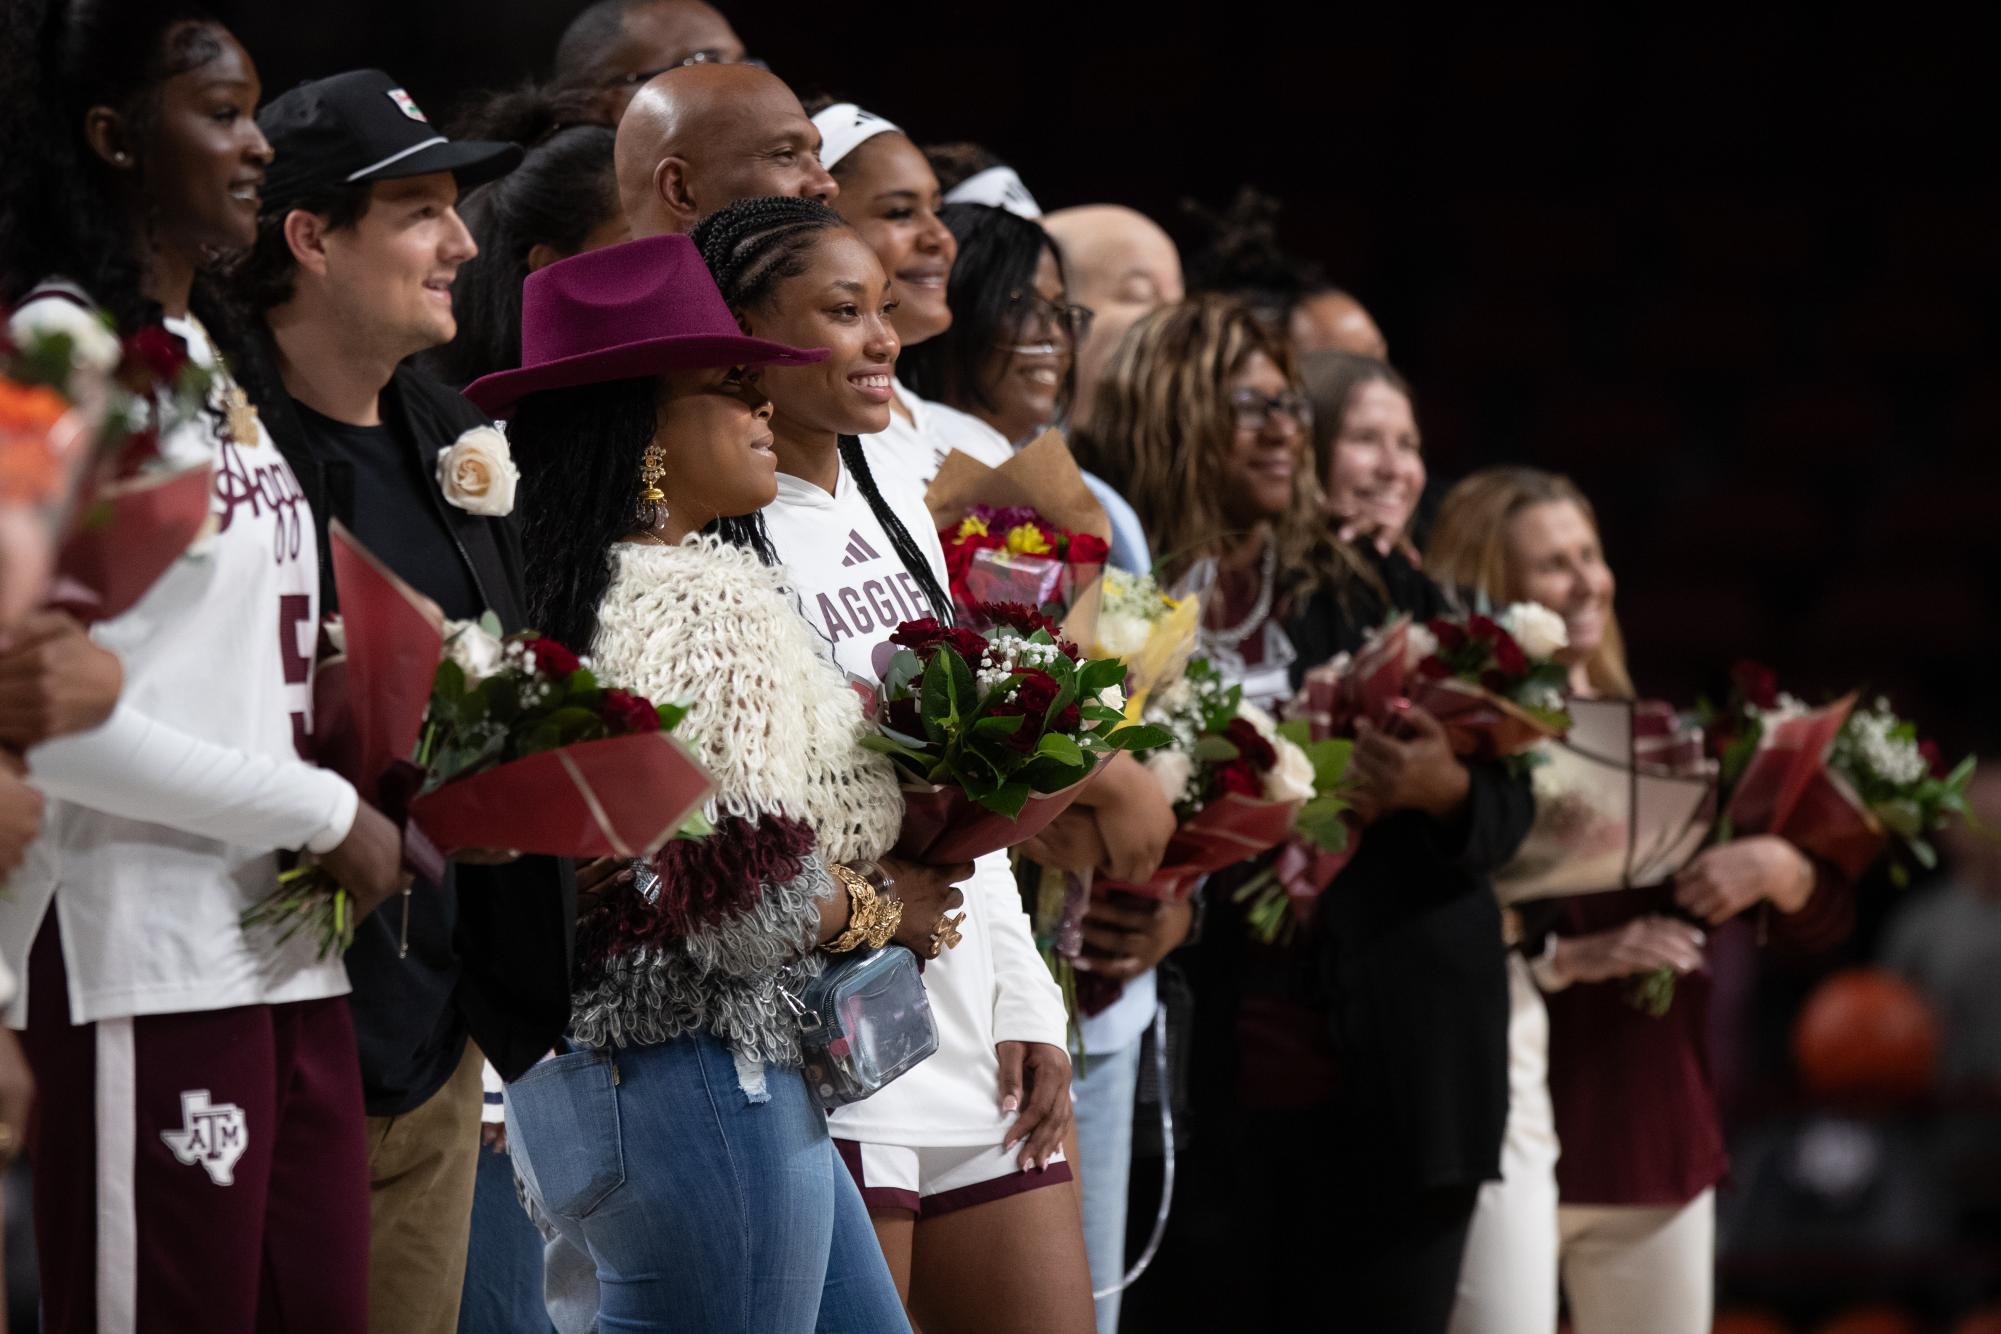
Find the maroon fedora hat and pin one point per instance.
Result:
(622, 312)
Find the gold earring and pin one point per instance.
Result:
(652, 500)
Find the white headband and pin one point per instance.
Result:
(844, 127)
(996, 187)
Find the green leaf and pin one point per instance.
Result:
(1330, 762)
(996, 725)
(1320, 823)
(490, 623)
(1056, 746)
(904, 667)
(1299, 732)
(1098, 673)
(1214, 749)
(450, 683)
(1139, 736)
(939, 704)
(671, 715)
(1008, 799)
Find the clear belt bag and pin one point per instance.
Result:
(862, 1023)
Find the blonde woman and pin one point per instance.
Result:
(1628, 1095)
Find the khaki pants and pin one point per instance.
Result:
(1637, 1270)
(421, 1167)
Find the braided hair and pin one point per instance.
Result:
(751, 247)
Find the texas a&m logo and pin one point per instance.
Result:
(211, 1134)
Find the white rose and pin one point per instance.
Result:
(1113, 697)
(1536, 628)
(1171, 769)
(93, 347)
(1291, 779)
(477, 653)
(1418, 644)
(1122, 634)
(478, 474)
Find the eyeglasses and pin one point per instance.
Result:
(637, 77)
(1033, 308)
(1253, 410)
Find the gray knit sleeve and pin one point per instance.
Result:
(780, 925)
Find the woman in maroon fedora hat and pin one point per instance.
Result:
(675, 1141)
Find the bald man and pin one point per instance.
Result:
(1331, 318)
(616, 46)
(1123, 266)
(702, 136)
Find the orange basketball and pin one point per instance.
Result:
(1866, 1035)
(1749, 1322)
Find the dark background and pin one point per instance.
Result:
(1736, 274)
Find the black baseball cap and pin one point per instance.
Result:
(358, 127)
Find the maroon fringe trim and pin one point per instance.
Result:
(702, 881)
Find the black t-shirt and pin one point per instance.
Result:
(410, 1034)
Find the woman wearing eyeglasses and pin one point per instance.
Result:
(1009, 357)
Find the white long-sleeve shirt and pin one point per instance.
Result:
(994, 987)
(163, 823)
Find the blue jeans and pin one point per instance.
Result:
(503, 1288)
(1103, 1095)
(705, 1207)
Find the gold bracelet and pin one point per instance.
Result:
(872, 917)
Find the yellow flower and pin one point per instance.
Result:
(971, 526)
(1027, 540)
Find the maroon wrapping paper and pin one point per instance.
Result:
(370, 700)
(1231, 829)
(620, 797)
(126, 537)
(942, 826)
(1478, 723)
(1788, 790)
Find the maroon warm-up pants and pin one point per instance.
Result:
(202, 1171)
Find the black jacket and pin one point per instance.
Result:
(1410, 948)
(490, 955)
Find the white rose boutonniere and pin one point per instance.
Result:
(477, 473)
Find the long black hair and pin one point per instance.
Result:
(564, 190)
(751, 247)
(63, 212)
(579, 451)
(998, 255)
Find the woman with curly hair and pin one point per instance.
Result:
(677, 1142)
(184, 1052)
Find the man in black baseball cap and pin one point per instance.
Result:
(358, 243)
(360, 127)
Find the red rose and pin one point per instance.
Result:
(905, 716)
(552, 659)
(920, 636)
(626, 712)
(156, 354)
(1237, 776)
(1934, 758)
(1033, 694)
(1508, 655)
(1449, 634)
(1252, 748)
(1756, 683)
(1088, 549)
(1434, 668)
(1483, 628)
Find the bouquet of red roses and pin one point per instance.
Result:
(476, 741)
(1839, 782)
(994, 729)
(1241, 783)
(1029, 532)
(1492, 681)
(1011, 554)
(85, 495)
